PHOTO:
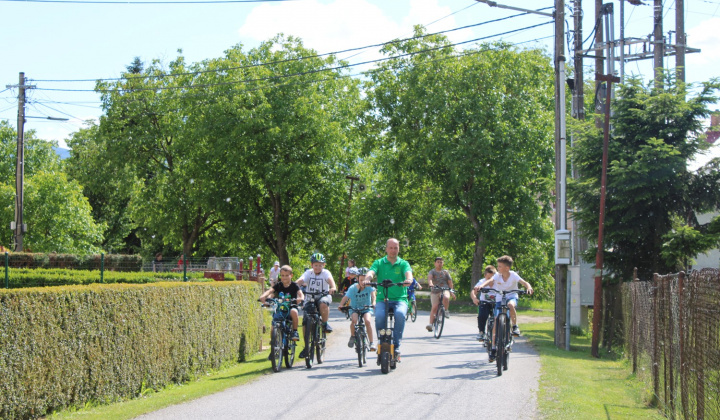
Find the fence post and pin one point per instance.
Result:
(7, 277)
(185, 267)
(655, 367)
(634, 321)
(681, 332)
(242, 273)
(700, 360)
(102, 267)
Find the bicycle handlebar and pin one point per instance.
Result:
(387, 283)
(503, 292)
(443, 288)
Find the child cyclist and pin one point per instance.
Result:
(506, 279)
(360, 296)
(286, 287)
(317, 280)
(485, 305)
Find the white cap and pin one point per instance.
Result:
(277, 263)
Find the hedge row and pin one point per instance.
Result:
(24, 277)
(113, 262)
(66, 346)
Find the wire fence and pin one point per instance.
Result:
(672, 335)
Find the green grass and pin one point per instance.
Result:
(574, 385)
(236, 374)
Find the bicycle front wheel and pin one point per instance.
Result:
(358, 348)
(320, 343)
(276, 347)
(385, 362)
(309, 343)
(500, 335)
(413, 308)
(439, 322)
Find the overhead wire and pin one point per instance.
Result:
(147, 2)
(382, 44)
(339, 67)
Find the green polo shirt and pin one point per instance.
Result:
(395, 272)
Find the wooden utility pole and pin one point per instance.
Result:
(347, 225)
(561, 315)
(579, 91)
(659, 44)
(680, 40)
(19, 224)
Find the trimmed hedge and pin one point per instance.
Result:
(66, 346)
(113, 262)
(38, 277)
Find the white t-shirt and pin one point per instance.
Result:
(274, 272)
(316, 283)
(482, 294)
(503, 285)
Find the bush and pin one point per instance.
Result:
(71, 345)
(38, 277)
(113, 262)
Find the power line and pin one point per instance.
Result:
(340, 67)
(382, 44)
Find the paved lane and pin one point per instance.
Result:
(448, 378)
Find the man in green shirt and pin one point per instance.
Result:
(398, 270)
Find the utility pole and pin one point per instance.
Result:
(579, 82)
(347, 223)
(561, 315)
(680, 40)
(659, 44)
(19, 225)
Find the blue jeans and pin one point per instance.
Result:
(400, 312)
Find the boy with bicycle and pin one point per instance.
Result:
(438, 277)
(318, 280)
(506, 279)
(360, 296)
(286, 288)
(485, 305)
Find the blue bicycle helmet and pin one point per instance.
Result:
(317, 257)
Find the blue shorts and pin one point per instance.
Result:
(496, 312)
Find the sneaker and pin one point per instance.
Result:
(397, 356)
(303, 353)
(351, 342)
(295, 336)
(270, 356)
(480, 337)
(516, 331)
(447, 315)
(372, 347)
(429, 327)
(328, 328)
(493, 355)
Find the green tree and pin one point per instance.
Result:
(287, 141)
(650, 189)
(478, 127)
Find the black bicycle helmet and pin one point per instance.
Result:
(317, 257)
(362, 271)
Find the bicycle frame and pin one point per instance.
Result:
(314, 335)
(502, 338)
(386, 348)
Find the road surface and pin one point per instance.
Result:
(448, 378)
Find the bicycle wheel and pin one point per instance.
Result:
(276, 347)
(364, 347)
(309, 343)
(413, 308)
(439, 322)
(290, 354)
(320, 344)
(385, 362)
(500, 343)
(358, 348)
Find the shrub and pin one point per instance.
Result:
(71, 345)
(38, 277)
(113, 262)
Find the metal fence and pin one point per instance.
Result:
(672, 335)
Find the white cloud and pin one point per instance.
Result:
(706, 37)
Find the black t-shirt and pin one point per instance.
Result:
(291, 290)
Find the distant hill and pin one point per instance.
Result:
(63, 153)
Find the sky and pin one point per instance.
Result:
(52, 41)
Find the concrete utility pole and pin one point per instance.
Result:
(19, 225)
(561, 314)
(680, 40)
(659, 44)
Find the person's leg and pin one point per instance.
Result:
(483, 315)
(400, 312)
(353, 321)
(446, 300)
(324, 308)
(380, 323)
(434, 302)
(513, 313)
(294, 317)
(368, 326)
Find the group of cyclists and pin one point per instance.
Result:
(360, 296)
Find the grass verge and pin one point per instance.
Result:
(236, 374)
(574, 385)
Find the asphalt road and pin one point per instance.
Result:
(447, 378)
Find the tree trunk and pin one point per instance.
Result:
(478, 259)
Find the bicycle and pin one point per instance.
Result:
(361, 338)
(440, 315)
(281, 343)
(503, 338)
(386, 349)
(314, 332)
(412, 305)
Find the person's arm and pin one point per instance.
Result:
(300, 296)
(369, 276)
(430, 283)
(342, 302)
(527, 286)
(267, 294)
(301, 281)
(408, 278)
(483, 284)
(473, 295)
(331, 282)
(373, 297)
